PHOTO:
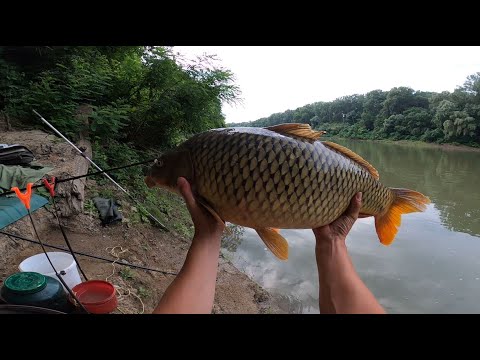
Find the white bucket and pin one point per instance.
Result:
(62, 262)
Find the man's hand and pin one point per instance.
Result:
(341, 289)
(206, 226)
(339, 229)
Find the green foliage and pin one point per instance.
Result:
(143, 292)
(90, 207)
(126, 273)
(145, 96)
(401, 113)
(460, 126)
(112, 153)
(232, 237)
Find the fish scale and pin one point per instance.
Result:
(296, 177)
(281, 177)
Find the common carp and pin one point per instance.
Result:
(281, 177)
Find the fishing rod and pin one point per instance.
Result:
(59, 276)
(51, 188)
(58, 181)
(25, 199)
(86, 254)
(104, 173)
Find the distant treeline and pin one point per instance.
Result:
(401, 113)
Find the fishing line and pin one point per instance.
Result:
(88, 255)
(66, 238)
(82, 176)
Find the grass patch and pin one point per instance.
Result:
(126, 273)
(143, 292)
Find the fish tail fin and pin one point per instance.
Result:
(405, 202)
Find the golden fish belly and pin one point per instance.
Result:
(257, 178)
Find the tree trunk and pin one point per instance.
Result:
(7, 120)
(72, 193)
(4, 121)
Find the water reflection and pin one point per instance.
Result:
(432, 267)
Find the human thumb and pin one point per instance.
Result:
(186, 192)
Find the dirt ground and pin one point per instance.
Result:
(139, 244)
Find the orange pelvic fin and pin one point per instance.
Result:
(275, 242)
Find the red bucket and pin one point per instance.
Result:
(98, 297)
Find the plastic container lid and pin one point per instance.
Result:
(98, 296)
(26, 282)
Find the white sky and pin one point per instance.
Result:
(277, 78)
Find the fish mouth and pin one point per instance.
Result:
(149, 181)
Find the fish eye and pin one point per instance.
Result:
(158, 162)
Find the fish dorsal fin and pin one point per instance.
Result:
(355, 157)
(295, 129)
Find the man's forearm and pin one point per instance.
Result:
(193, 290)
(341, 289)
